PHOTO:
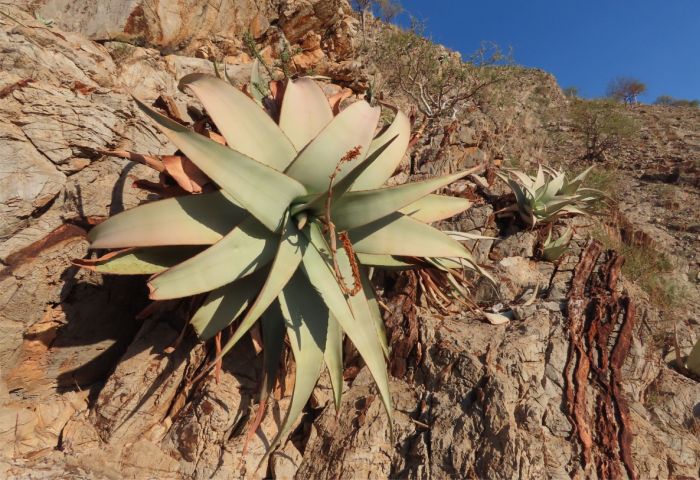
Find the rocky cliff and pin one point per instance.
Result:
(580, 383)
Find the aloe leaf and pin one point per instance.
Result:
(333, 356)
(263, 191)
(256, 83)
(245, 126)
(305, 111)
(554, 206)
(461, 236)
(225, 304)
(385, 261)
(364, 304)
(317, 202)
(307, 329)
(573, 186)
(572, 209)
(401, 235)
(355, 209)
(139, 261)
(353, 127)
(526, 181)
(454, 263)
(382, 169)
(374, 311)
(289, 253)
(362, 335)
(520, 197)
(188, 220)
(539, 179)
(554, 186)
(247, 248)
(433, 208)
(552, 250)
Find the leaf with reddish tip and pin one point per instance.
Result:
(305, 111)
(189, 220)
(263, 191)
(383, 168)
(246, 126)
(139, 261)
(353, 127)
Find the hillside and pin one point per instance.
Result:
(581, 382)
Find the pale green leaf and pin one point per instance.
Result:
(263, 191)
(246, 127)
(333, 356)
(433, 208)
(305, 111)
(358, 208)
(317, 202)
(188, 220)
(539, 179)
(401, 235)
(374, 311)
(364, 304)
(139, 261)
(362, 334)
(353, 127)
(387, 163)
(247, 248)
(571, 187)
(289, 253)
(307, 328)
(385, 261)
(225, 304)
(552, 250)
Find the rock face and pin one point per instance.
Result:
(577, 384)
(206, 29)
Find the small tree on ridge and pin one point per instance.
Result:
(625, 89)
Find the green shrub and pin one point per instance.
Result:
(438, 81)
(603, 126)
(675, 102)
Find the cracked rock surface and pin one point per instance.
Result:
(578, 384)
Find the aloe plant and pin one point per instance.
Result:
(553, 249)
(297, 216)
(548, 195)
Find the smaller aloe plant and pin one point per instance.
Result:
(549, 195)
(553, 249)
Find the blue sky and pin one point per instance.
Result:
(584, 43)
